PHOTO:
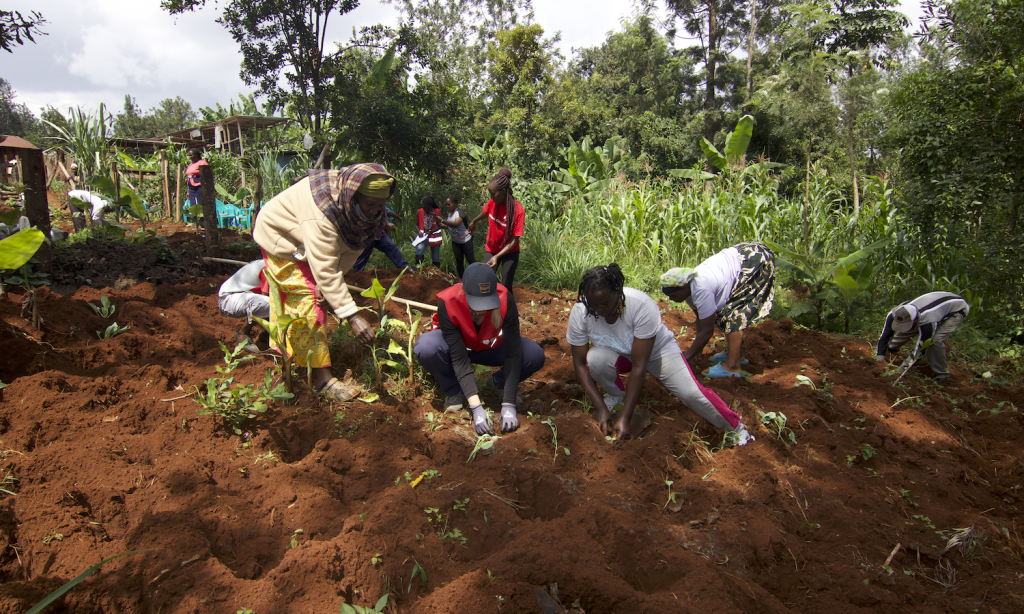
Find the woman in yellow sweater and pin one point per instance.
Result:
(311, 234)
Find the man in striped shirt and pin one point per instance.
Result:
(933, 317)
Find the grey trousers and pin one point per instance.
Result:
(674, 374)
(936, 352)
(245, 305)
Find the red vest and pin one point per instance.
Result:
(458, 310)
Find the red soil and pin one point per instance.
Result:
(108, 453)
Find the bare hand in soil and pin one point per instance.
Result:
(362, 330)
(622, 430)
(604, 418)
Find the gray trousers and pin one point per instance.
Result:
(936, 352)
(674, 374)
(245, 305)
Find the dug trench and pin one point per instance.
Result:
(893, 498)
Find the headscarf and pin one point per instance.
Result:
(503, 181)
(676, 278)
(334, 192)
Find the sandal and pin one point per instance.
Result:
(719, 371)
(339, 391)
(721, 356)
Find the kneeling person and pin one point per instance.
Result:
(240, 296)
(612, 330)
(931, 316)
(477, 322)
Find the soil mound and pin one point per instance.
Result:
(893, 498)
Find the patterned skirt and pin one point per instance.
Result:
(754, 291)
(307, 337)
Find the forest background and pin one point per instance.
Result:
(882, 163)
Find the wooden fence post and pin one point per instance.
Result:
(177, 192)
(37, 209)
(166, 181)
(209, 198)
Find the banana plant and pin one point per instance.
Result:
(851, 284)
(19, 248)
(735, 144)
(815, 271)
(232, 198)
(588, 169)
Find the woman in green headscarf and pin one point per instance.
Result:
(311, 234)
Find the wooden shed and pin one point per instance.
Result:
(22, 161)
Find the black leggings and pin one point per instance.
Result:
(508, 265)
(463, 250)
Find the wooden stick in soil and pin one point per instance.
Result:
(209, 198)
(350, 286)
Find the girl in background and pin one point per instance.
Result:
(458, 228)
(506, 219)
(429, 222)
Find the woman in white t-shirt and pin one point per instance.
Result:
(734, 289)
(458, 229)
(613, 330)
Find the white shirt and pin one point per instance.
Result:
(460, 234)
(640, 319)
(98, 203)
(247, 278)
(712, 286)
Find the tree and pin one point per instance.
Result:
(956, 119)
(171, 115)
(453, 35)
(16, 29)
(15, 118)
(281, 37)
(718, 25)
(128, 124)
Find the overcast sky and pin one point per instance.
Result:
(99, 50)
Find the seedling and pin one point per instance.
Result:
(382, 603)
(461, 506)
(294, 542)
(866, 451)
(105, 309)
(775, 422)
(417, 570)
(483, 442)
(671, 495)
(52, 536)
(434, 421)
(112, 331)
(376, 559)
(236, 403)
(554, 439)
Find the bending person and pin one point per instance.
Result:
(734, 289)
(477, 323)
(506, 220)
(385, 244)
(241, 296)
(97, 204)
(311, 235)
(933, 316)
(613, 330)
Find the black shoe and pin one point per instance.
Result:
(941, 378)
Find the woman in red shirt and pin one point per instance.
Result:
(506, 219)
(428, 219)
(192, 176)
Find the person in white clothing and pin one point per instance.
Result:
(613, 330)
(96, 206)
(933, 317)
(240, 297)
(734, 289)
